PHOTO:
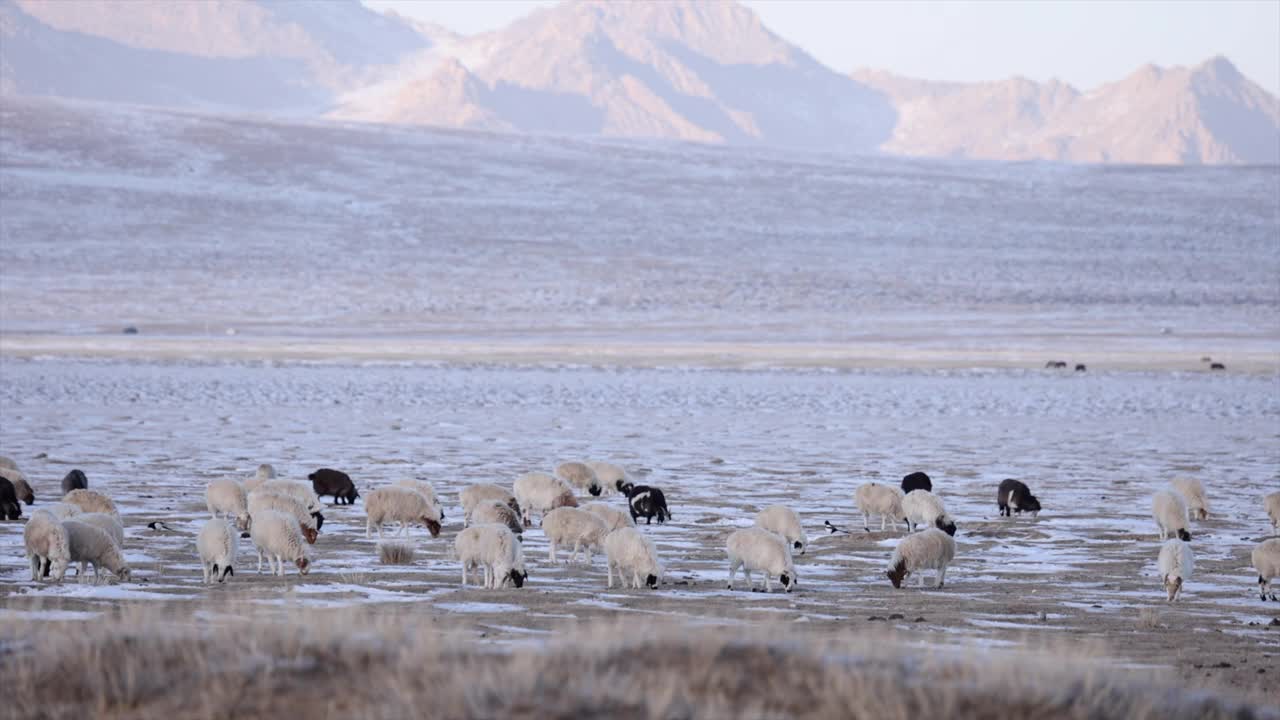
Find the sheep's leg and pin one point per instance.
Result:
(768, 582)
(259, 549)
(942, 575)
(552, 552)
(95, 574)
(733, 571)
(204, 565)
(609, 563)
(464, 574)
(36, 566)
(635, 578)
(368, 528)
(751, 585)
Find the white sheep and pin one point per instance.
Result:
(278, 537)
(227, 496)
(873, 498)
(7, 462)
(1271, 503)
(216, 545)
(1175, 564)
(585, 530)
(94, 546)
(608, 475)
(922, 507)
(1170, 513)
(492, 512)
(784, 521)
(580, 476)
(929, 549)
(1266, 560)
(106, 522)
(541, 493)
(473, 495)
(297, 488)
(428, 491)
(1192, 491)
(260, 500)
(759, 549)
(48, 547)
(91, 501)
(264, 473)
(494, 548)
(632, 553)
(396, 503)
(613, 518)
(62, 510)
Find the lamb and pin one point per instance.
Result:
(493, 547)
(929, 549)
(924, 508)
(1170, 513)
(1271, 503)
(784, 521)
(645, 501)
(289, 505)
(48, 547)
(1266, 560)
(226, 496)
(580, 476)
(613, 518)
(93, 545)
(428, 491)
(1014, 496)
(473, 495)
(108, 523)
(91, 501)
(632, 553)
(9, 507)
(299, 490)
(399, 504)
(497, 513)
(574, 525)
(873, 498)
(608, 475)
(21, 488)
(264, 473)
(916, 481)
(1175, 562)
(327, 481)
(541, 493)
(759, 549)
(1192, 491)
(277, 536)
(216, 545)
(74, 480)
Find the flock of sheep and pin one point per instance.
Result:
(282, 517)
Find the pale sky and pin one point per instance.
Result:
(1085, 43)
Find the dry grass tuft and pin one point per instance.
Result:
(1148, 618)
(395, 553)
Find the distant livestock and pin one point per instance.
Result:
(1080, 367)
(260, 501)
(929, 549)
(74, 480)
(872, 498)
(9, 507)
(1175, 563)
(428, 491)
(91, 501)
(473, 495)
(633, 555)
(216, 545)
(495, 549)
(400, 505)
(277, 537)
(265, 472)
(1170, 513)
(334, 483)
(21, 488)
(582, 530)
(784, 521)
(298, 489)
(924, 508)
(645, 502)
(1192, 491)
(540, 493)
(916, 481)
(1271, 503)
(95, 546)
(1266, 560)
(580, 476)
(1056, 365)
(1014, 496)
(608, 475)
(613, 518)
(1217, 366)
(226, 497)
(758, 549)
(497, 513)
(48, 546)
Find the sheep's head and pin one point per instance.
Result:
(788, 581)
(310, 534)
(651, 581)
(352, 495)
(624, 487)
(1198, 514)
(1172, 585)
(304, 565)
(432, 524)
(798, 546)
(898, 573)
(1030, 504)
(1183, 535)
(517, 577)
(946, 525)
(594, 489)
(226, 570)
(124, 574)
(319, 519)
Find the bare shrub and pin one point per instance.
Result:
(1148, 618)
(395, 553)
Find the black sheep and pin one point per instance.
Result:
(645, 501)
(336, 483)
(74, 480)
(9, 507)
(1014, 496)
(916, 481)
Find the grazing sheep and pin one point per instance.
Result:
(277, 536)
(613, 518)
(404, 505)
(289, 505)
(929, 549)
(1175, 563)
(91, 501)
(759, 549)
(93, 545)
(1080, 367)
(264, 473)
(494, 548)
(473, 495)
(1266, 560)
(74, 480)
(428, 491)
(48, 547)
(574, 525)
(106, 522)
(580, 476)
(298, 489)
(226, 496)
(1217, 366)
(1271, 503)
(916, 481)
(632, 554)
(21, 488)
(1014, 496)
(327, 481)
(62, 510)
(645, 501)
(1170, 513)
(924, 508)
(784, 521)
(492, 512)
(7, 462)
(9, 507)
(541, 493)
(873, 498)
(216, 544)
(1192, 491)
(608, 475)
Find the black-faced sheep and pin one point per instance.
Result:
(1014, 496)
(608, 475)
(47, 545)
(473, 495)
(216, 545)
(924, 508)
(916, 481)
(327, 481)
(494, 548)
(21, 488)
(758, 549)
(580, 528)
(224, 496)
(784, 521)
(1266, 560)
(645, 502)
(872, 498)
(497, 513)
(580, 476)
(541, 493)
(1170, 513)
(632, 554)
(929, 549)
(298, 489)
(1192, 491)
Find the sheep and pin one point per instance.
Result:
(264, 473)
(1266, 560)
(62, 510)
(628, 550)
(21, 488)
(94, 546)
(784, 521)
(74, 480)
(287, 504)
(1271, 503)
(916, 481)
(108, 523)
(1175, 563)
(759, 549)
(277, 536)
(91, 501)
(541, 493)
(399, 504)
(645, 501)
(608, 475)
(1192, 491)
(873, 498)
(928, 549)
(428, 491)
(227, 496)
(47, 545)
(216, 545)
(494, 548)
(613, 518)
(9, 507)
(574, 525)
(473, 495)
(924, 508)
(299, 490)
(1170, 513)
(1014, 496)
(580, 476)
(497, 513)
(327, 481)
(7, 462)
